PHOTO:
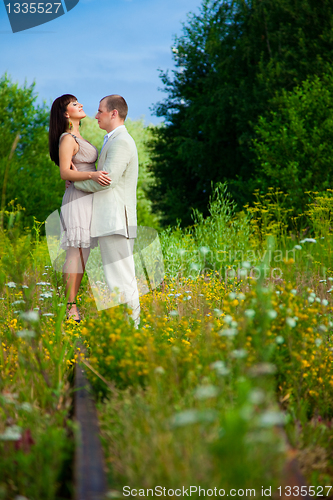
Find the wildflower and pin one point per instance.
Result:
(308, 240)
(50, 315)
(228, 332)
(318, 342)
(46, 295)
(26, 334)
(246, 265)
(324, 302)
(30, 316)
(270, 418)
(17, 302)
(227, 319)
(290, 322)
(232, 295)
(206, 392)
(239, 353)
(220, 368)
(272, 314)
(262, 369)
(43, 283)
(249, 313)
(13, 433)
(204, 250)
(257, 396)
(11, 284)
(298, 247)
(279, 339)
(159, 370)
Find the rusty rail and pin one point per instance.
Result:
(89, 468)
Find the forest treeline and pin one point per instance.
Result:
(250, 103)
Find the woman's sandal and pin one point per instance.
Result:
(70, 316)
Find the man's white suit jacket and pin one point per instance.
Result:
(114, 206)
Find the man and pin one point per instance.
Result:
(114, 219)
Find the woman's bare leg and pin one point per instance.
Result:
(73, 271)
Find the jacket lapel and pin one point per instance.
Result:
(107, 145)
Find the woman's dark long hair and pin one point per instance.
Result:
(58, 124)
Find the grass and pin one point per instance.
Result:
(233, 347)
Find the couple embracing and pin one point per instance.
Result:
(108, 217)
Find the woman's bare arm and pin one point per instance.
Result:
(67, 149)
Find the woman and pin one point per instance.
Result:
(76, 159)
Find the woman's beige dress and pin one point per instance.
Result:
(76, 206)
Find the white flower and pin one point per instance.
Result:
(308, 240)
(173, 313)
(31, 316)
(290, 322)
(25, 286)
(11, 284)
(46, 295)
(241, 296)
(26, 407)
(220, 368)
(217, 312)
(298, 247)
(228, 332)
(170, 294)
(26, 334)
(250, 313)
(227, 319)
(187, 417)
(206, 392)
(246, 265)
(204, 250)
(257, 396)
(318, 342)
(17, 302)
(159, 370)
(310, 299)
(270, 418)
(272, 314)
(239, 353)
(324, 302)
(279, 339)
(43, 283)
(12, 433)
(50, 315)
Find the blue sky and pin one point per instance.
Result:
(99, 47)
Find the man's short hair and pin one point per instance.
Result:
(117, 102)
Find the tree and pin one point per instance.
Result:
(230, 61)
(29, 176)
(294, 147)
